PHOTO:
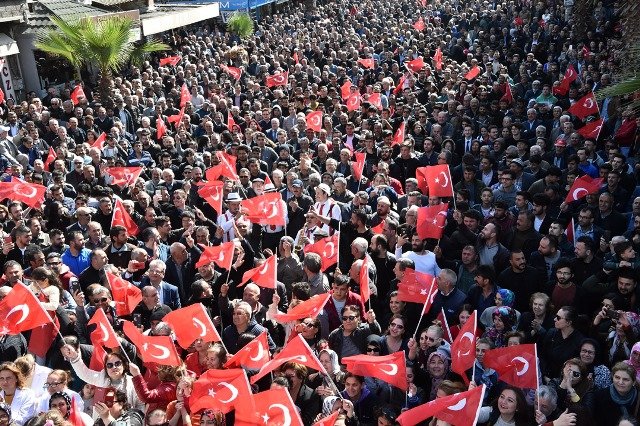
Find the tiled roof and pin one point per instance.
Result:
(70, 10)
(112, 2)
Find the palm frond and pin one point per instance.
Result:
(141, 51)
(241, 24)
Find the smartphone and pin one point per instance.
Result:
(159, 192)
(74, 286)
(105, 395)
(137, 320)
(8, 239)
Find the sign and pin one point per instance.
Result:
(7, 81)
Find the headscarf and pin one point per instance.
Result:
(66, 398)
(335, 365)
(636, 366)
(435, 382)
(327, 405)
(507, 297)
(6, 408)
(508, 317)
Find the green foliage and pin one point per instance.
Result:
(241, 24)
(628, 85)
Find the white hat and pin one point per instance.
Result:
(233, 197)
(325, 188)
(269, 187)
(4, 129)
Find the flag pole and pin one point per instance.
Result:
(415, 333)
(475, 328)
(453, 193)
(338, 248)
(535, 353)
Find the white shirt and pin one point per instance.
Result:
(226, 222)
(425, 263)
(328, 209)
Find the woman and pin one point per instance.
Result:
(163, 393)
(35, 375)
(599, 374)
(303, 397)
(310, 329)
(573, 385)
(212, 418)
(395, 307)
(196, 361)
(560, 343)
(504, 297)
(317, 381)
(437, 370)
(535, 323)
(113, 375)
(119, 412)
(62, 402)
(634, 359)
(463, 316)
(510, 408)
(13, 391)
(393, 340)
(57, 381)
(178, 410)
(5, 415)
(504, 320)
(608, 405)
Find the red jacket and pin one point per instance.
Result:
(159, 397)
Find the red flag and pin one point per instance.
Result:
(419, 25)
(1, 96)
(389, 368)
(308, 309)
(584, 106)
(185, 95)
(515, 365)
(328, 421)
(273, 407)
(365, 292)
(345, 89)
(314, 121)
(400, 85)
(327, 248)
(437, 59)
(96, 363)
(125, 295)
(104, 335)
(280, 79)
(570, 76)
(99, 143)
(358, 165)
(508, 96)
(31, 194)
(228, 163)
(570, 232)
(473, 73)
(21, 311)
(234, 72)
(231, 123)
(77, 94)
(74, 414)
(421, 177)
(398, 137)
(253, 355)
(156, 349)
(264, 275)
(187, 332)
(50, 159)
(591, 130)
(177, 118)
(296, 59)
(463, 349)
(121, 217)
(415, 286)
(375, 100)
(379, 228)
(439, 181)
(583, 186)
(459, 409)
(266, 209)
(222, 389)
(124, 176)
(353, 101)
(432, 220)
(442, 317)
(296, 350)
(161, 128)
(415, 65)
(212, 193)
(170, 60)
(222, 255)
(367, 63)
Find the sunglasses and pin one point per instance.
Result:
(114, 364)
(394, 325)
(308, 325)
(349, 317)
(373, 350)
(576, 374)
(103, 300)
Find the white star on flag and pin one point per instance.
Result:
(212, 393)
(265, 417)
(437, 180)
(423, 292)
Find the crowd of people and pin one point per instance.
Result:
(489, 101)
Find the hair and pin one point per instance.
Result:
(571, 312)
(25, 364)
(301, 290)
(12, 367)
(313, 262)
(41, 273)
(515, 333)
(523, 414)
(543, 296)
(352, 308)
(450, 387)
(282, 381)
(486, 271)
(627, 368)
(121, 357)
(300, 370)
(355, 376)
(585, 384)
(397, 316)
(548, 392)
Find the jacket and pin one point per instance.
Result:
(159, 397)
(359, 337)
(23, 406)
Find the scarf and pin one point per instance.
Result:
(623, 401)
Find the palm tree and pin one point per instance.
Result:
(105, 44)
(628, 83)
(241, 24)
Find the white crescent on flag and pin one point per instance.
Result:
(576, 193)
(525, 365)
(200, 325)
(467, 335)
(25, 313)
(458, 405)
(164, 352)
(332, 252)
(392, 371)
(286, 420)
(259, 354)
(234, 392)
(25, 190)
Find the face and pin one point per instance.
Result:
(563, 275)
(587, 353)
(561, 320)
(621, 381)
(396, 328)
(59, 404)
(507, 402)
(240, 317)
(436, 367)
(481, 349)
(350, 320)
(353, 388)
(8, 381)
(626, 285)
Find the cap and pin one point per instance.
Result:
(319, 232)
(518, 161)
(233, 197)
(297, 183)
(258, 179)
(560, 142)
(269, 187)
(325, 188)
(4, 129)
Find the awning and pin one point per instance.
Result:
(8, 46)
(169, 18)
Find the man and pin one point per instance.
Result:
(76, 257)
(38, 237)
(507, 190)
(448, 297)
(250, 295)
(565, 292)
(341, 296)
(384, 261)
(557, 229)
(119, 251)
(523, 180)
(586, 227)
(522, 279)
(83, 214)
(542, 220)
(94, 273)
(489, 249)
(524, 237)
(66, 277)
(467, 232)
(325, 207)
(607, 217)
(547, 256)
(95, 238)
(22, 237)
(424, 260)
(483, 295)
(168, 293)
(317, 280)
(297, 207)
(227, 220)
(181, 268)
(149, 306)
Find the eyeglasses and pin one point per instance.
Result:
(309, 325)
(102, 300)
(349, 317)
(46, 385)
(373, 350)
(430, 339)
(114, 364)
(394, 325)
(587, 352)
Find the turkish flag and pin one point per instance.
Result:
(314, 121)
(515, 365)
(570, 232)
(363, 276)
(415, 286)
(378, 229)
(74, 414)
(570, 76)
(231, 123)
(584, 106)
(161, 128)
(121, 217)
(437, 59)
(280, 79)
(1, 96)
(345, 89)
(222, 389)
(296, 59)
(353, 101)
(185, 95)
(400, 85)
(296, 350)
(327, 248)
(264, 275)
(104, 335)
(50, 159)
(125, 295)
(398, 137)
(459, 409)
(99, 143)
(21, 311)
(308, 309)
(388, 368)
(439, 181)
(415, 65)
(228, 163)
(328, 421)
(222, 255)
(212, 193)
(177, 118)
(124, 176)
(190, 324)
(508, 96)
(77, 94)
(367, 63)
(358, 166)
(473, 73)
(266, 209)
(463, 349)
(432, 220)
(375, 100)
(170, 60)
(96, 363)
(253, 355)
(157, 349)
(419, 25)
(32, 194)
(592, 130)
(234, 72)
(421, 177)
(583, 186)
(273, 407)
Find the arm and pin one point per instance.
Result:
(53, 293)
(160, 394)
(84, 373)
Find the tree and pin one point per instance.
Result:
(105, 43)
(241, 24)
